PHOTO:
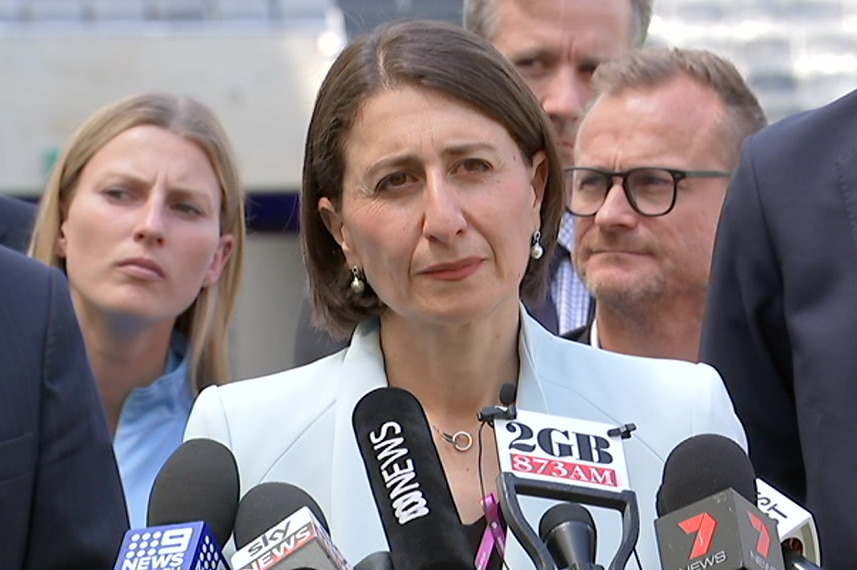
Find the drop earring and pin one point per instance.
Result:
(357, 284)
(536, 249)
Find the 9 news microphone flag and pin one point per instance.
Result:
(191, 512)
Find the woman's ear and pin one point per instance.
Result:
(61, 242)
(333, 222)
(539, 178)
(331, 218)
(218, 262)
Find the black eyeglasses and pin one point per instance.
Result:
(650, 191)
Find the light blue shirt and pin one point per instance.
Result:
(151, 426)
(569, 294)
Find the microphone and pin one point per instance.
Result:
(506, 410)
(267, 504)
(280, 527)
(376, 561)
(795, 526)
(707, 512)
(199, 482)
(564, 459)
(408, 483)
(569, 533)
(795, 561)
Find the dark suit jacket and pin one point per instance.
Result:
(61, 502)
(16, 222)
(781, 322)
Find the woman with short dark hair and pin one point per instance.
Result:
(431, 199)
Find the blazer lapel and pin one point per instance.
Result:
(846, 177)
(530, 398)
(355, 527)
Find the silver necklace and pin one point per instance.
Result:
(461, 440)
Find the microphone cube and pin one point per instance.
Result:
(723, 532)
(185, 546)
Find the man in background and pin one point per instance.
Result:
(781, 320)
(16, 222)
(556, 45)
(652, 164)
(61, 501)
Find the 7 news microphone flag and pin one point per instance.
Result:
(707, 518)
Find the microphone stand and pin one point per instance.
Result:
(510, 485)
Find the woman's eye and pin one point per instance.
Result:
(189, 209)
(393, 181)
(475, 165)
(117, 193)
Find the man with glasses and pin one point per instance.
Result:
(556, 45)
(653, 158)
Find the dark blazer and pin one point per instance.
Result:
(61, 502)
(16, 222)
(781, 322)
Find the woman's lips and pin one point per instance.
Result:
(453, 271)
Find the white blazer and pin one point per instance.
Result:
(295, 426)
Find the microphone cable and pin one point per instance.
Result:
(482, 423)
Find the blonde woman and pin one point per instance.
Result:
(145, 214)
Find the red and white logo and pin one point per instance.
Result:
(562, 450)
(704, 525)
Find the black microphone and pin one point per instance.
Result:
(267, 504)
(707, 512)
(376, 561)
(280, 527)
(569, 533)
(796, 561)
(701, 466)
(411, 492)
(506, 410)
(191, 511)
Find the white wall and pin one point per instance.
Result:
(260, 79)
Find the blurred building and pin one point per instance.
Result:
(795, 54)
(258, 64)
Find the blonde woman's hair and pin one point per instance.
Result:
(206, 321)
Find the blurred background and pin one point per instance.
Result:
(258, 64)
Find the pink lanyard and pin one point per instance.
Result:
(494, 535)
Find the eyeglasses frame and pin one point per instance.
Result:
(677, 176)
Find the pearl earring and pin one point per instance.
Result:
(357, 284)
(536, 249)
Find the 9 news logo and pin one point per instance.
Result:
(157, 549)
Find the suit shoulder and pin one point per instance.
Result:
(578, 367)
(241, 409)
(825, 126)
(316, 378)
(32, 289)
